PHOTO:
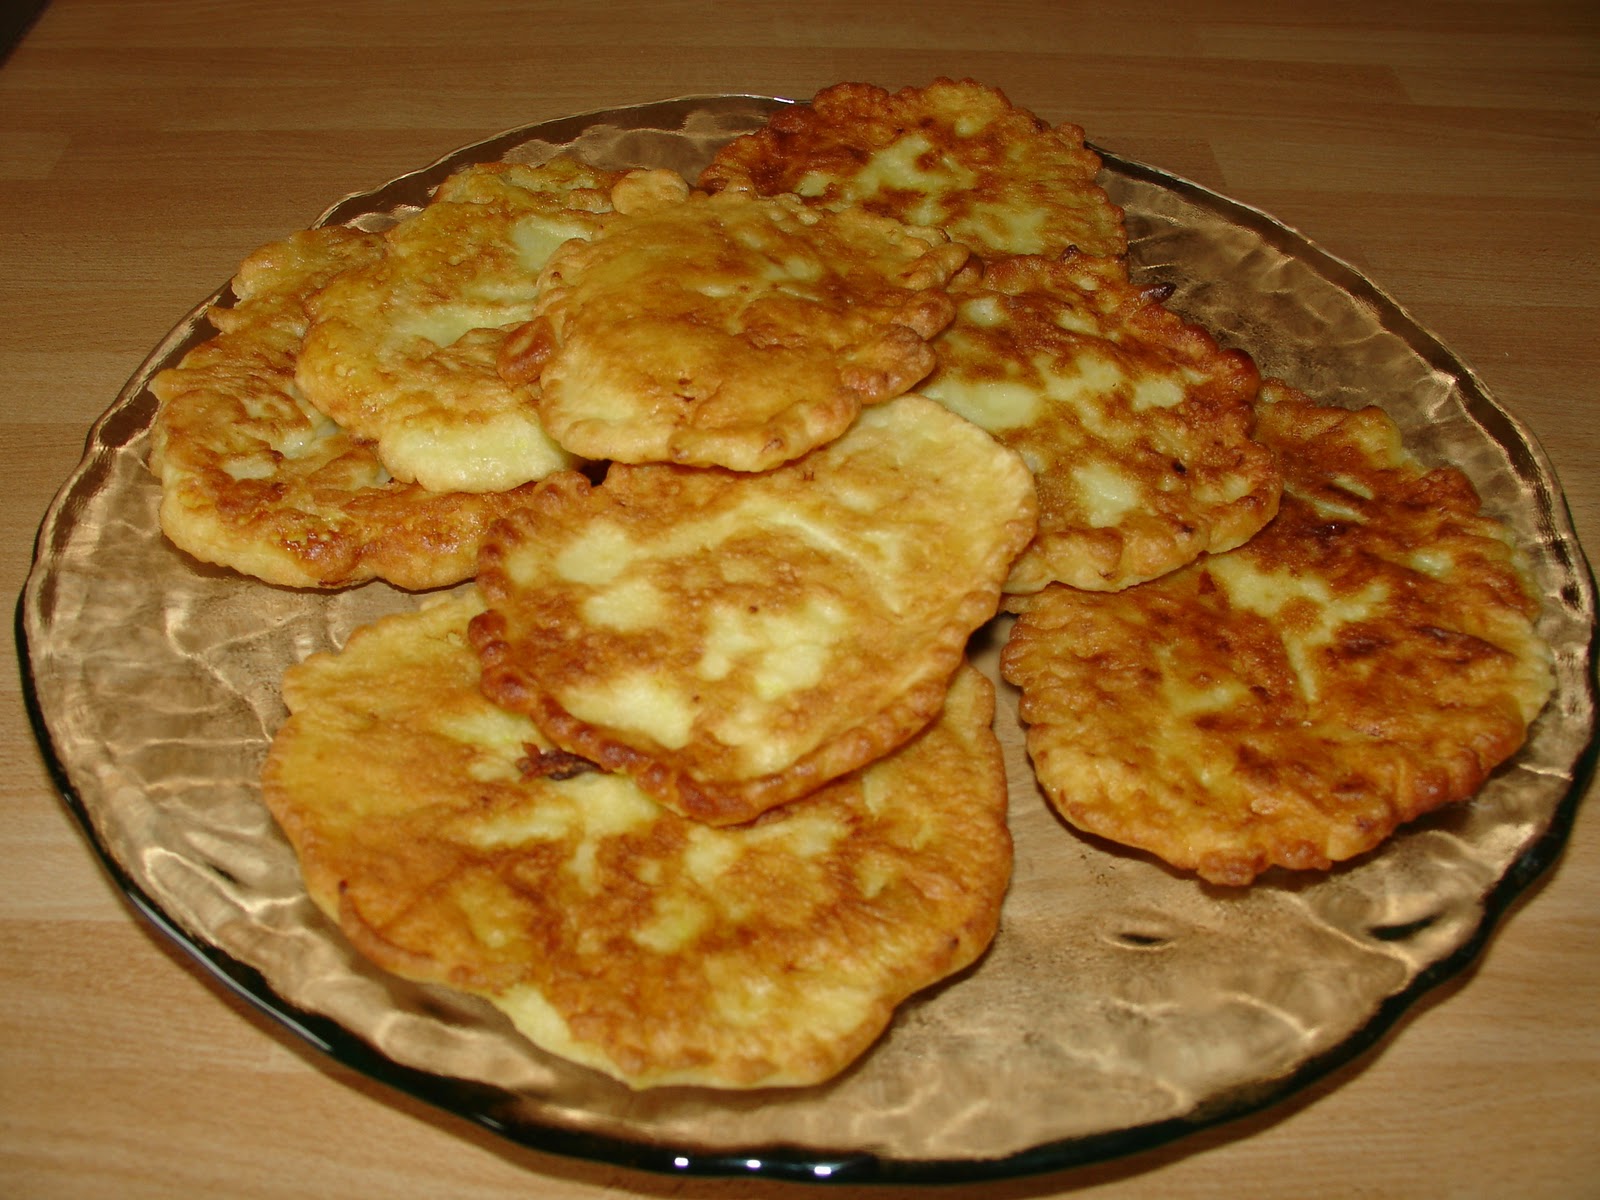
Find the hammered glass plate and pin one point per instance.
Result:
(1121, 1004)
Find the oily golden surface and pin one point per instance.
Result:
(1135, 424)
(403, 351)
(956, 155)
(735, 640)
(256, 479)
(612, 931)
(728, 330)
(1368, 657)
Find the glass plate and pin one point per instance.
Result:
(1121, 1004)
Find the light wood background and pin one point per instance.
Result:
(1447, 148)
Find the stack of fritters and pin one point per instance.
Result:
(1152, 718)
(254, 478)
(614, 932)
(404, 351)
(1368, 657)
(694, 783)
(734, 666)
(348, 421)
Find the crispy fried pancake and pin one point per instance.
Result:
(612, 931)
(403, 351)
(735, 640)
(1135, 424)
(1368, 657)
(954, 155)
(729, 331)
(254, 478)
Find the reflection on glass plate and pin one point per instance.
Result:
(1120, 1005)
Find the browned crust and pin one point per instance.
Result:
(1418, 700)
(1182, 514)
(534, 641)
(834, 135)
(892, 878)
(327, 520)
(511, 679)
(663, 339)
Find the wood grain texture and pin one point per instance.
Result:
(1449, 148)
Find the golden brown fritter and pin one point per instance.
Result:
(256, 479)
(956, 155)
(735, 640)
(612, 931)
(728, 330)
(1136, 425)
(1368, 657)
(403, 351)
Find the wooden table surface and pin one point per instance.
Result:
(1448, 149)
